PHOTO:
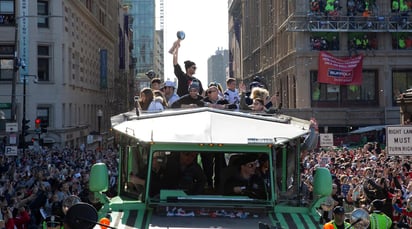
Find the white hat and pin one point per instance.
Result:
(169, 83)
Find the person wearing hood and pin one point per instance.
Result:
(191, 100)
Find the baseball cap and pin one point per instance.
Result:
(339, 210)
(169, 83)
(255, 84)
(194, 85)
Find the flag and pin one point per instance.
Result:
(340, 71)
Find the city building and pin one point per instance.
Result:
(147, 51)
(217, 67)
(73, 54)
(286, 43)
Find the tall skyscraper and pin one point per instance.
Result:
(217, 67)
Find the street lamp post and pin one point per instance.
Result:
(99, 123)
(99, 119)
(23, 131)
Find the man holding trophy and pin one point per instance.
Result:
(184, 79)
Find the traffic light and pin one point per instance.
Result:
(43, 125)
(37, 122)
(25, 127)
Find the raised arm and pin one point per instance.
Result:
(175, 48)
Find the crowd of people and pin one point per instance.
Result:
(37, 186)
(34, 186)
(364, 177)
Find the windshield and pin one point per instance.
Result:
(242, 174)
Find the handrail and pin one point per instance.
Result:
(318, 22)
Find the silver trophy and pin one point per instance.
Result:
(180, 36)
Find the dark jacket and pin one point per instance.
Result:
(221, 102)
(184, 81)
(187, 99)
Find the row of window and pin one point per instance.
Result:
(331, 41)
(358, 7)
(367, 94)
(42, 112)
(7, 62)
(7, 13)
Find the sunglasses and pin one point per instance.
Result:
(251, 165)
(194, 67)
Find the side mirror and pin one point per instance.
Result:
(99, 178)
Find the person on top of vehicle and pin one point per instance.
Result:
(213, 99)
(169, 92)
(191, 100)
(231, 94)
(261, 102)
(155, 84)
(147, 101)
(246, 97)
(184, 79)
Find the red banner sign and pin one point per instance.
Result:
(333, 70)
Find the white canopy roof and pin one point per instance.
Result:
(205, 125)
(368, 129)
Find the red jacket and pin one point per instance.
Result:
(22, 220)
(9, 224)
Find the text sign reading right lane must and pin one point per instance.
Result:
(399, 140)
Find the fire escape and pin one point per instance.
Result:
(316, 22)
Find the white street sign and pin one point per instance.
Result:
(11, 151)
(13, 139)
(326, 139)
(399, 140)
(12, 127)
